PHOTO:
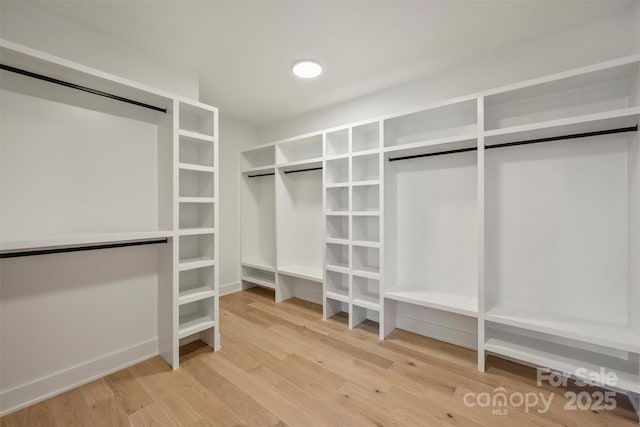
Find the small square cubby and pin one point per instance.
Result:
(366, 137)
(338, 142)
(337, 255)
(338, 227)
(196, 215)
(366, 168)
(366, 228)
(338, 283)
(338, 199)
(337, 171)
(196, 284)
(196, 151)
(196, 183)
(196, 119)
(366, 259)
(197, 247)
(366, 289)
(366, 197)
(260, 157)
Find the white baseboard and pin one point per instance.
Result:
(230, 288)
(36, 391)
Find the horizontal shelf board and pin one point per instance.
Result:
(366, 304)
(197, 199)
(542, 354)
(367, 274)
(196, 135)
(197, 168)
(337, 185)
(337, 213)
(195, 231)
(192, 263)
(337, 296)
(459, 304)
(260, 170)
(316, 161)
(259, 265)
(267, 147)
(196, 293)
(337, 269)
(70, 239)
(335, 241)
(365, 213)
(366, 244)
(580, 124)
(365, 152)
(608, 335)
(259, 280)
(363, 183)
(302, 272)
(433, 145)
(193, 323)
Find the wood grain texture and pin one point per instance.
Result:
(281, 365)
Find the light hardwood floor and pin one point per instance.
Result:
(281, 365)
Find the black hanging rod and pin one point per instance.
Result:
(78, 87)
(528, 141)
(262, 174)
(80, 248)
(304, 170)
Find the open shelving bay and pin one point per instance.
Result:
(507, 214)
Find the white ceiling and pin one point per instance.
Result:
(244, 49)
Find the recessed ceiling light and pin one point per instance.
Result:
(307, 69)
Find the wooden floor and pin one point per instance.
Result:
(281, 365)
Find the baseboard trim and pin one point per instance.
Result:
(230, 288)
(36, 391)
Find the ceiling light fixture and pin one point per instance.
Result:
(307, 69)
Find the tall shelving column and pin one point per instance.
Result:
(196, 307)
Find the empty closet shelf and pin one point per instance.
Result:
(263, 279)
(197, 199)
(459, 304)
(302, 272)
(259, 265)
(192, 263)
(338, 297)
(196, 136)
(195, 293)
(193, 323)
(195, 167)
(609, 335)
(195, 231)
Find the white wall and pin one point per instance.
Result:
(611, 38)
(28, 25)
(235, 136)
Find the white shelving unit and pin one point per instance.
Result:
(144, 171)
(196, 302)
(511, 216)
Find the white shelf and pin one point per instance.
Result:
(197, 199)
(366, 244)
(337, 185)
(192, 263)
(467, 306)
(315, 162)
(434, 145)
(541, 353)
(193, 323)
(337, 241)
(365, 152)
(81, 239)
(366, 304)
(196, 293)
(260, 279)
(259, 265)
(337, 156)
(368, 274)
(338, 297)
(197, 168)
(580, 124)
(338, 268)
(365, 213)
(363, 183)
(195, 231)
(196, 135)
(337, 213)
(608, 335)
(260, 170)
(302, 272)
